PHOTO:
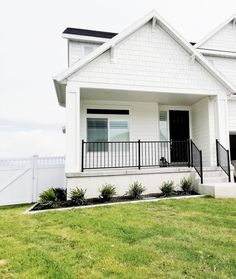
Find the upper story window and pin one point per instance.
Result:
(88, 49)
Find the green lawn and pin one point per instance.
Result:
(169, 239)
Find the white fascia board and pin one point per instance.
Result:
(60, 94)
(214, 31)
(121, 36)
(84, 38)
(217, 53)
(232, 98)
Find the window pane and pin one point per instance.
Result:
(119, 130)
(97, 131)
(87, 50)
(163, 125)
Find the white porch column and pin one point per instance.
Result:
(73, 142)
(222, 130)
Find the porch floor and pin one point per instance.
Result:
(131, 171)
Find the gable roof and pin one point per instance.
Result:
(61, 78)
(214, 31)
(90, 33)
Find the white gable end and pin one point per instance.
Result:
(226, 66)
(150, 58)
(224, 39)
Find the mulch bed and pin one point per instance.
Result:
(95, 201)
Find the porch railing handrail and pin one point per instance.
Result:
(124, 154)
(136, 141)
(222, 158)
(196, 160)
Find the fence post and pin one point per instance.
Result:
(34, 177)
(139, 160)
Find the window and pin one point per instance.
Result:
(119, 130)
(87, 49)
(97, 129)
(104, 130)
(163, 125)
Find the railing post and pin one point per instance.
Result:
(188, 145)
(201, 171)
(139, 153)
(228, 166)
(217, 153)
(191, 153)
(82, 157)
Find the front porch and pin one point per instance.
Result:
(121, 136)
(112, 121)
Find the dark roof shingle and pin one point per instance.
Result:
(91, 33)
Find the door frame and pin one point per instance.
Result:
(167, 109)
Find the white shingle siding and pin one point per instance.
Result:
(225, 39)
(232, 115)
(227, 66)
(76, 50)
(151, 59)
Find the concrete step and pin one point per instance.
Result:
(218, 190)
(217, 179)
(213, 174)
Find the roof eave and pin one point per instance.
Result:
(59, 92)
(84, 38)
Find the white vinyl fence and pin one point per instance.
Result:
(23, 179)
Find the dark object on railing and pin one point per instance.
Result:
(196, 160)
(100, 155)
(164, 162)
(222, 157)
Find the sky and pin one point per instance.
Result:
(32, 51)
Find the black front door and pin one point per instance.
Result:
(179, 134)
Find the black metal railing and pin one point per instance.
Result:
(222, 157)
(196, 160)
(100, 155)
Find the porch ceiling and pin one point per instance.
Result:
(141, 96)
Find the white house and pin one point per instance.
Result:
(146, 105)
